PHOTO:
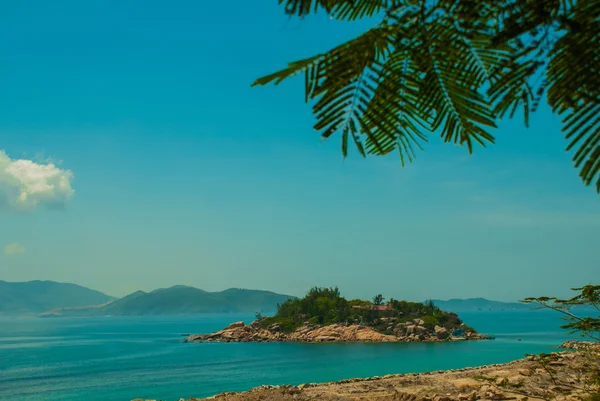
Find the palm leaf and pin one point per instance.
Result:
(341, 80)
(301, 8)
(455, 66)
(353, 10)
(348, 10)
(392, 119)
(574, 88)
(461, 111)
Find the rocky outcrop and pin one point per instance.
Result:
(471, 335)
(236, 325)
(308, 333)
(339, 333)
(305, 333)
(441, 332)
(581, 345)
(515, 381)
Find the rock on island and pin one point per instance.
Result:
(413, 331)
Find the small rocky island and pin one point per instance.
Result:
(323, 315)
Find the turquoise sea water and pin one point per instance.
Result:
(122, 358)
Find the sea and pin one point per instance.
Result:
(123, 358)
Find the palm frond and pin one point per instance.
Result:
(353, 10)
(392, 118)
(455, 67)
(574, 88)
(348, 10)
(461, 111)
(302, 8)
(342, 80)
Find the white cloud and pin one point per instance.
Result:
(14, 249)
(25, 184)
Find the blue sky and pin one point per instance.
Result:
(183, 174)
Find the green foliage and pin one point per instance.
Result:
(583, 378)
(416, 309)
(453, 317)
(325, 306)
(430, 322)
(588, 295)
(448, 320)
(359, 302)
(286, 324)
(454, 67)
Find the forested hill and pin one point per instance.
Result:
(182, 299)
(22, 298)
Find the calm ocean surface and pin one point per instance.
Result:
(122, 358)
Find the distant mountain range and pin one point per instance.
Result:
(38, 296)
(179, 300)
(52, 299)
(472, 304)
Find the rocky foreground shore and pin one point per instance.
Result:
(581, 345)
(521, 380)
(413, 331)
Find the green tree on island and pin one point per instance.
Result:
(324, 306)
(454, 67)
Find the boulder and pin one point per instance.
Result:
(421, 330)
(325, 338)
(216, 334)
(410, 332)
(419, 322)
(496, 396)
(442, 335)
(235, 325)
(468, 397)
(441, 332)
